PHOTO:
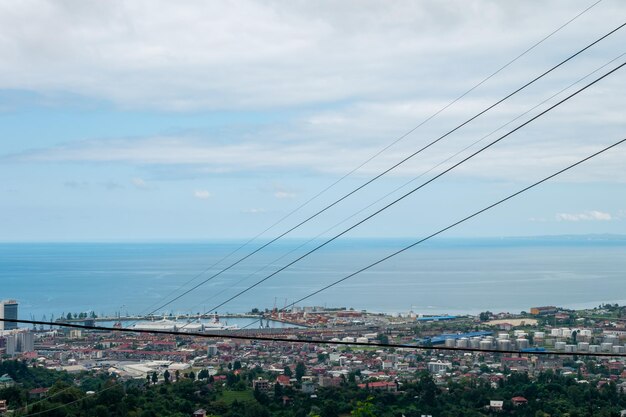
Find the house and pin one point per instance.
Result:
(6, 381)
(3, 406)
(283, 380)
(199, 413)
(380, 386)
(37, 393)
(495, 405)
(308, 387)
(519, 401)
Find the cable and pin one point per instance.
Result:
(420, 186)
(47, 398)
(311, 341)
(407, 183)
(400, 138)
(386, 171)
(70, 403)
(458, 222)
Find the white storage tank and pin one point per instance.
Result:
(594, 348)
(559, 345)
(503, 335)
(486, 344)
(570, 348)
(606, 346)
(504, 344)
(522, 343)
(450, 342)
(619, 349)
(462, 342)
(539, 335)
(583, 347)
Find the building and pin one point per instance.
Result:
(6, 381)
(540, 311)
(8, 310)
(261, 384)
(199, 413)
(211, 350)
(3, 406)
(380, 386)
(20, 343)
(436, 367)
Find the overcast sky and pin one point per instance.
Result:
(161, 120)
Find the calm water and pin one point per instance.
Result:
(449, 276)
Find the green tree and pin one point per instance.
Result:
(155, 378)
(166, 376)
(300, 371)
(287, 371)
(364, 408)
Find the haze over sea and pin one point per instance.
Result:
(446, 276)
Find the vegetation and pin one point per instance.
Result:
(550, 394)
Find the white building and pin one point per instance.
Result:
(437, 367)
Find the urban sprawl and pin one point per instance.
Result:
(308, 367)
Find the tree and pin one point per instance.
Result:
(485, 315)
(364, 409)
(166, 376)
(300, 371)
(278, 391)
(177, 373)
(192, 376)
(155, 378)
(287, 371)
(236, 365)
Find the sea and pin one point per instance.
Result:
(447, 276)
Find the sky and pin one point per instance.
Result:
(160, 120)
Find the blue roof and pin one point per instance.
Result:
(435, 318)
(536, 349)
(442, 338)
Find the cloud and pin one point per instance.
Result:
(349, 92)
(592, 215)
(112, 185)
(290, 54)
(282, 195)
(202, 194)
(139, 183)
(76, 185)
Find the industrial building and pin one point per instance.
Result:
(540, 311)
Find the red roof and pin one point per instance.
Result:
(519, 400)
(377, 384)
(282, 379)
(38, 391)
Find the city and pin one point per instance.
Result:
(582, 344)
(355, 208)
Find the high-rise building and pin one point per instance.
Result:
(20, 343)
(8, 310)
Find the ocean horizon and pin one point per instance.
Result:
(443, 276)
